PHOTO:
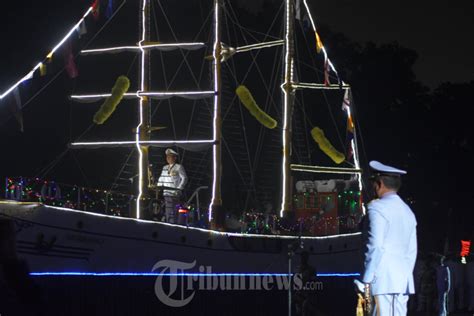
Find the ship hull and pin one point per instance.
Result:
(57, 240)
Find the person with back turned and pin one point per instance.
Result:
(392, 245)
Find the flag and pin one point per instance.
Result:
(13, 106)
(346, 102)
(96, 9)
(346, 107)
(49, 57)
(70, 64)
(18, 114)
(42, 70)
(306, 22)
(110, 9)
(327, 83)
(465, 248)
(319, 43)
(298, 10)
(81, 29)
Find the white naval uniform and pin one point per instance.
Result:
(391, 254)
(172, 176)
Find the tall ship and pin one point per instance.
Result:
(261, 121)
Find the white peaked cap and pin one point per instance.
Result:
(170, 151)
(380, 167)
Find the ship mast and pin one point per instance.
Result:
(288, 102)
(145, 94)
(215, 208)
(143, 129)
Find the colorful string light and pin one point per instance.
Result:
(37, 190)
(96, 202)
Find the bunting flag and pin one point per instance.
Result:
(346, 102)
(465, 248)
(346, 107)
(70, 64)
(298, 10)
(27, 82)
(13, 107)
(42, 65)
(319, 43)
(81, 29)
(96, 9)
(327, 83)
(49, 57)
(42, 70)
(306, 22)
(110, 9)
(17, 110)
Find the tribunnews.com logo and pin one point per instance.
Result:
(175, 287)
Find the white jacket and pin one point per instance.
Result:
(392, 246)
(173, 176)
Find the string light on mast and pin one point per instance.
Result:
(138, 129)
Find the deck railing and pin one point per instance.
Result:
(121, 204)
(68, 196)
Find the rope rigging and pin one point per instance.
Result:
(184, 61)
(270, 89)
(312, 55)
(48, 168)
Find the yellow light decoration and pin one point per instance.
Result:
(326, 146)
(248, 101)
(110, 104)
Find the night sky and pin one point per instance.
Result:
(432, 139)
(438, 31)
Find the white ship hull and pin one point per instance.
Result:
(55, 239)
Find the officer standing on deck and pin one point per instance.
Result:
(174, 177)
(392, 244)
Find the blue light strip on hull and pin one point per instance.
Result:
(144, 274)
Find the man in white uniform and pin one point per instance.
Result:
(392, 244)
(172, 176)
